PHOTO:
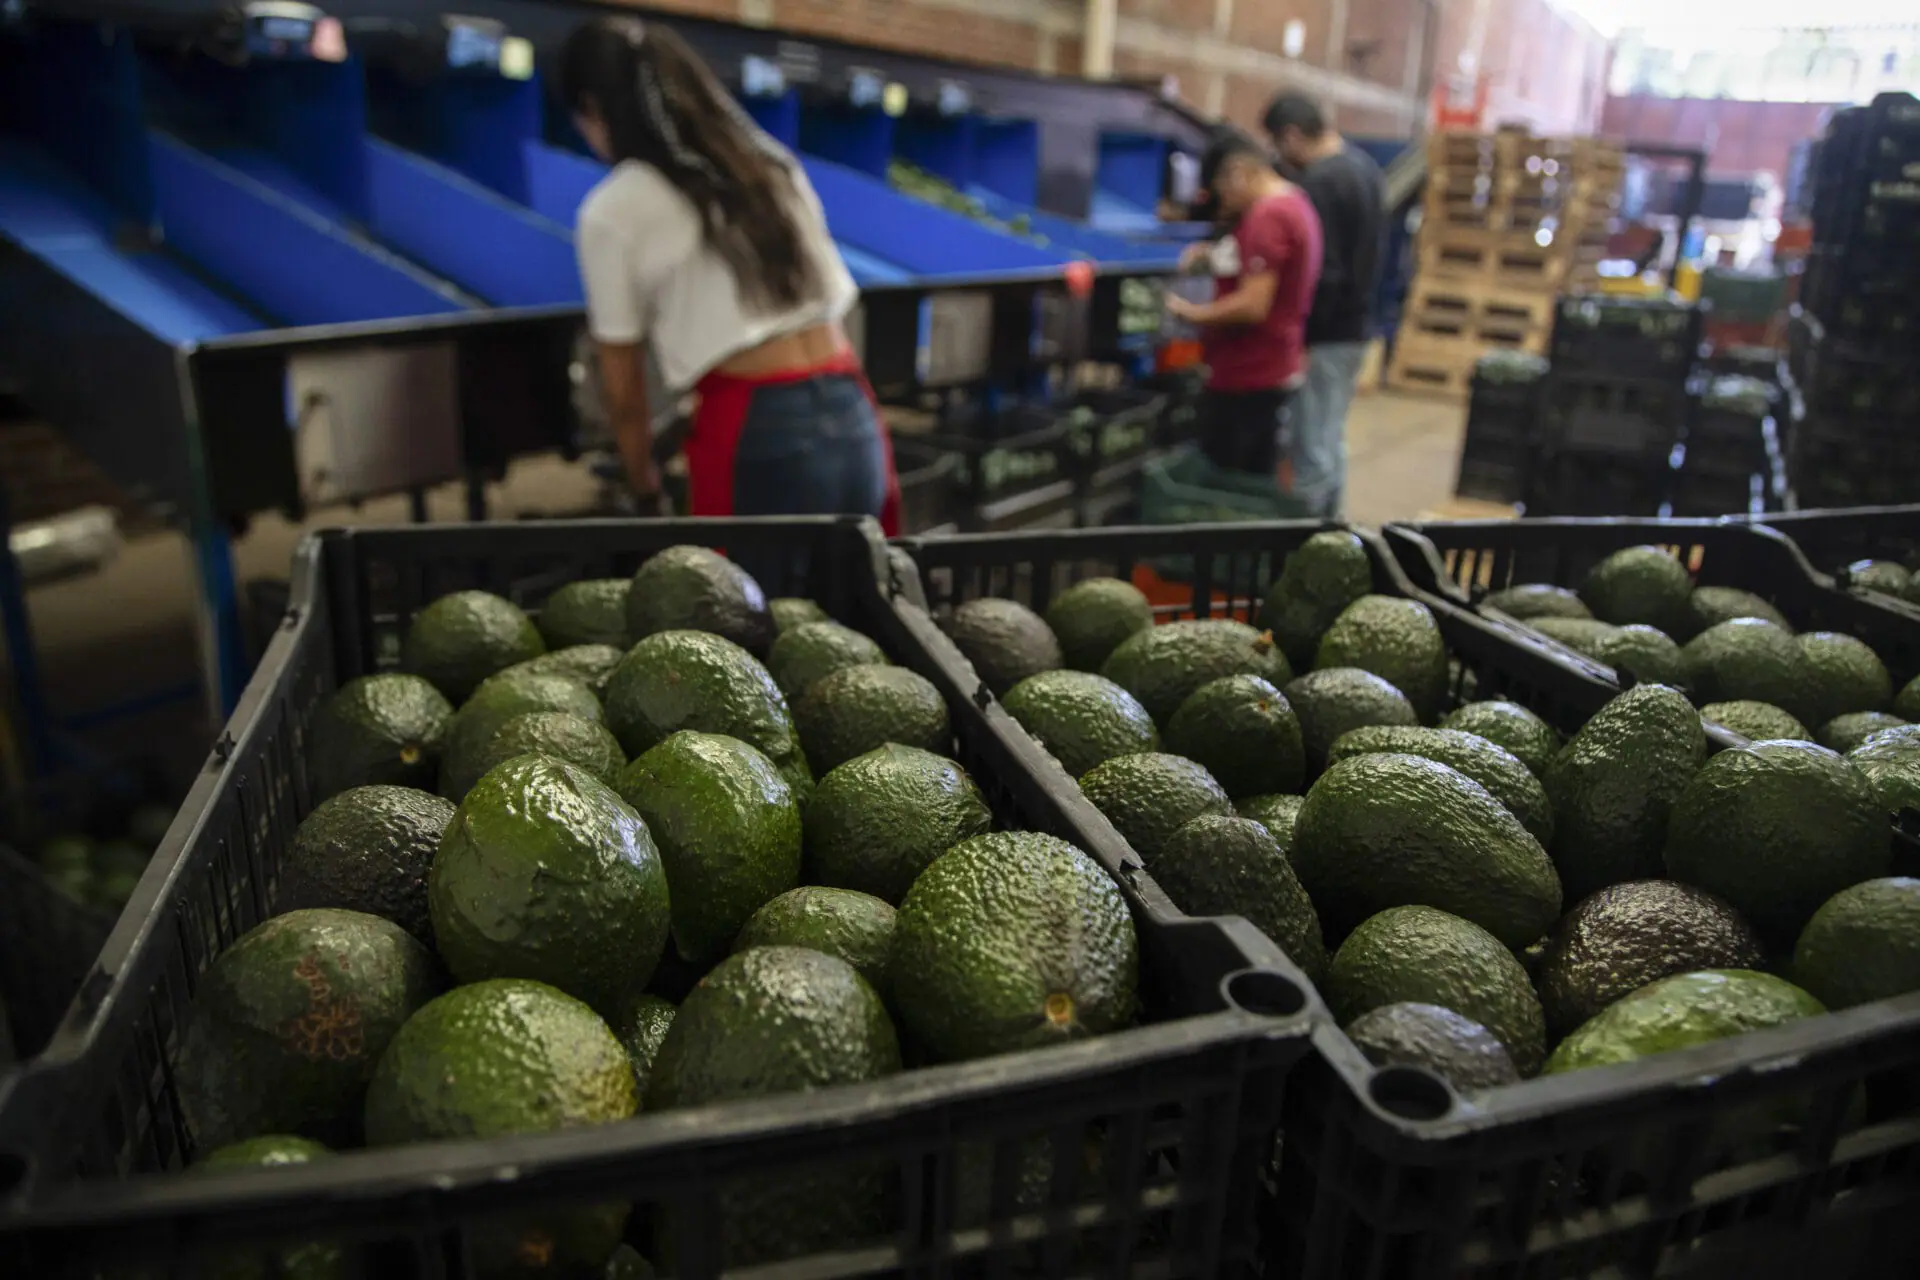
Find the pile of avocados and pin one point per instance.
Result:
(665, 844)
(102, 873)
(1475, 893)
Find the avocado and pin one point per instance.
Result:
(1906, 703)
(1503, 776)
(1277, 814)
(877, 821)
(1757, 721)
(509, 1056)
(1890, 762)
(1579, 634)
(545, 873)
(626, 1263)
(590, 612)
(1326, 574)
(728, 831)
(642, 1031)
(1844, 733)
(369, 850)
(68, 864)
(1424, 955)
(1748, 660)
(590, 664)
(857, 709)
(1888, 577)
(1640, 584)
(812, 650)
(1163, 665)
(676, 680)
(461, 639)
(1005, 641)
(493, 704)
(1628, 935)
(289, 1021)
(1711, 606)
(1777, 828)
(1680, 1012)
(1863, 944)
(1649, 656)
(856, 927)
(388, 728)
(558, 735)
(1242, 729)
(1615, 783)
(1150, 795)
(1457, 1049)
(313, 1260)
(767, 1021)
(1332, 702)
(1381, 831)
(1397, 640)
(1009, 941)
(1218, 865)
(1842, 674)
(1080, 718)
(1532, 600)
(1090, 619)
(792, 611)
(1530, 740)
(688, 588)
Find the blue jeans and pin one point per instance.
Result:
(1319, 452)
(810, 448)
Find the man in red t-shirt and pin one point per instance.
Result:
(1254, 330)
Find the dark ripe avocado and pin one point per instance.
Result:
(591, 612)
(368, 849)
(805, 654)
(1090, 619)
(1890, 762)
(1217, 865)
(877, 821)
(1397, 640)
(1327, 573)
(1863, 944)
(1906, 703)
(856, 709)
(1777, 828)
(1680, 1012)
(1614, 785)
(558, 735)
(1005, 641)
(1531, 600)
(1277, 814)
(642, 1031)
(1380, 831)
(493, 704)
(387, 728)
(689, 588)
(1149, 796)
(314, 1260)
(1711, 606)
(1640, 584)
(545, 873)
(1012, 941)
(1162, 666)
(1889, 577)
(728, 831)
(1457, 1049)
(1531, 740)
(1844, 675)
(1080, 718)
(1243, 731)
(856, 927)
(1648, 655)
(695, 680)
(1504, 777)
(1746, 659)
(461, 639)
(509, 1056)
(1628, 935)
(590, 664)
(1331, 702)
(1757, 721)
(1426, 956)
(290, 1020)
(1844, 733)
(793, 611)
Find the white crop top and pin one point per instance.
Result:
(649, 275)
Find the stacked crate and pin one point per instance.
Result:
(1510, 220)
(1860, 441)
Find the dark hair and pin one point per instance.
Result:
(663, 107)
(1226, 144)
(1297, 110)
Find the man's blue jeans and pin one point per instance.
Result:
(1319, 448)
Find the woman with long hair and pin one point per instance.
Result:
(707, 245)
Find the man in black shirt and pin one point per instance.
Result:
(1346, 189)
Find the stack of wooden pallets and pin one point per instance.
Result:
(1511, 220)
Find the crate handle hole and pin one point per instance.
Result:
(1269, 994)
(1410, 1093)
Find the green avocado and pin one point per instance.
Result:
(1711, 606)
(1319, 581)
(1843, 675)
(688, 588)
(1277, 814)
(1397, 640)
(1890, 762)
(856, 927)
(368, 850)
(1679, 1012)
(388, 728)
(1756, 721)
(1164, 665)
(1748, 660)
(581, 613)
(590, 664)
(642, 1031)
(1080, 718)
(503, 698)
(805, 654)
(1243, 731)
(1844, 733)
(879, 820)
(1906, 703)
(1581, 635)
(793, 611)
(1457, 1049)
(1504, 777)
(1218, 865)
(558, 735)
(1532, 600)
(857, 709)
(314, 1260)
(1531, 740)
(461, 639)
(1863, 944)
(1888, 577)
(1092, 618)
(1640, 584)
(1005, 641)
(1648, 655)
(1331, 702)
(1150, 795)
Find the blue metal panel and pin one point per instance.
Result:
(869, 215)
(1007, 159)
(313, 115)
(558, 180)
(942, 145)
(867, 269)
(483, 124)
(779, 115)
(81, 92)
(1082, 239)
(857, 137)
(1132, 168)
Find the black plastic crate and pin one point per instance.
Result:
(1629, 416)
(1625, 337)
(1832, 540)
(48, 942)
(1115, 425)
(1168, 1112)
(1574, 482)
(929, 484)
(1493, 473)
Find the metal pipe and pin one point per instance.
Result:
(1096, 58)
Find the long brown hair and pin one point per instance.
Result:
(663, 107)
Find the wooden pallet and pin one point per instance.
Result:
(1482, 311)
(1430, 365)
(1514, 261)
